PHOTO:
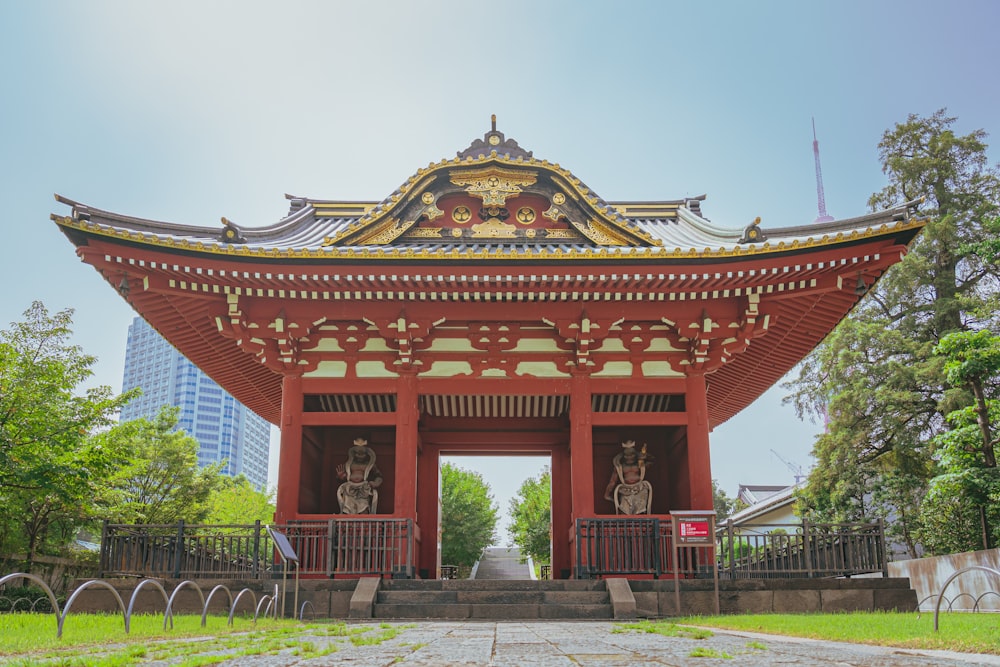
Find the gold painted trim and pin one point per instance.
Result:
(601, 234)
(569, 184)
(648, 210)
(386, 232)
(494, 228)
(493, 184)
(425, 233)
(381, 253)
(330, 209)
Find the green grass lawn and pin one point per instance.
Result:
(970, 633)
(99, 640)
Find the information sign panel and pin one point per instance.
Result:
(694, 531)
(283, 546)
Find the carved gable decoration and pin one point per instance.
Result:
(486, 197)
(494, 184)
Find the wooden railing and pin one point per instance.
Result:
(334, 547)
(643, 546)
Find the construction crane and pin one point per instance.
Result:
(796, 469)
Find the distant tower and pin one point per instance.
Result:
(823, 215)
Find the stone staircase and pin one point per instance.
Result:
(501, 588)
(502, 563)
(492, 599)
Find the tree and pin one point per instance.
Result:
(162, 483)
(236, 501)
(989, 248)
(531, 517)
(876, 377)
(962, 509)
(724, 505)
(468, 515)
(50, 468)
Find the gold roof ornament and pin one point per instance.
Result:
(494, 185)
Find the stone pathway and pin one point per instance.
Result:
(590, 644)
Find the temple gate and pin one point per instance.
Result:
(492, 303)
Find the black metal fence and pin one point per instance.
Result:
(371, 546)
(771, 551)
(330, 548)
(620, 546)
(181, 551)
(643, 546)
(385, 546)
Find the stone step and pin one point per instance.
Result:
(416, 597)
(494, 611)
(493, 585)
(492, 597)
(575, 611)
(577, 597)
(415, 611)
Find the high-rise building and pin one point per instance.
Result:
(225, 429)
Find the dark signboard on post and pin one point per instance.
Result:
(283, 546)
(694, 531)
(693, 537)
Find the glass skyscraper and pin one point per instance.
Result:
(225, 429)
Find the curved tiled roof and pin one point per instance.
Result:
(677, 232)
(408, 225)
(571, 244)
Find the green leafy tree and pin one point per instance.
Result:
(50, 468)
(468, 515)
(162, 483)
(724, 505)
(988, 248)
(876, 378)
(531, 517)
(962, 508)
(236, 502)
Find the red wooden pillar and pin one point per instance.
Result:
(428, 512)
(290, 454)
(699, 459)
(562, 514)
(407, 413)
(581, 447)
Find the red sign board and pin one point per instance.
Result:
(693, 531)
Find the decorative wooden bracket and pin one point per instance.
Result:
(585, 334)
(406, 337)
(712, 342)
(276, 342)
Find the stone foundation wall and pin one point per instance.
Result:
(324, 599)
(657, 598)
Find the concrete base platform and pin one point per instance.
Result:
(656, 599)
(460, 599)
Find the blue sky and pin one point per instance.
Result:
(190, 111)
